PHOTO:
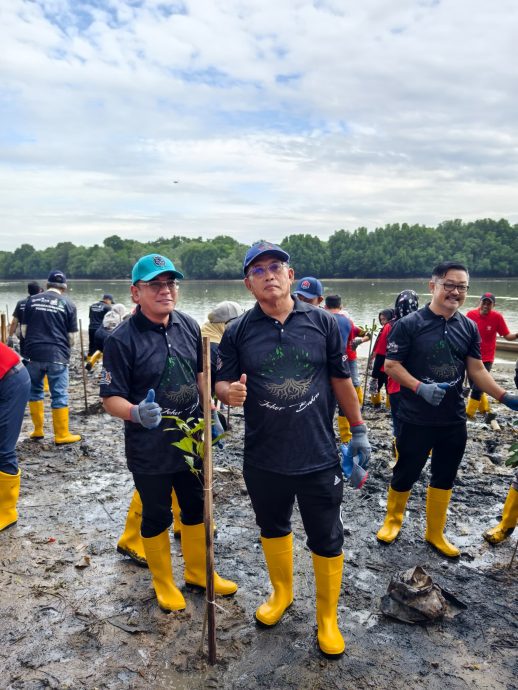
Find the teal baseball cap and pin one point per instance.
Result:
(151, 266)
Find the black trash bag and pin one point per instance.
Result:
(413, 597)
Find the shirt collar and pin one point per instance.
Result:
(144, 324)
(257, 313)
(431, 315)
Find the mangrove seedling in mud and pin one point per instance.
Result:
(192, 442)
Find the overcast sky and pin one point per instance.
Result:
(253, 118)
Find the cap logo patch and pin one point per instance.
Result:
(305, 284)
(159, 261)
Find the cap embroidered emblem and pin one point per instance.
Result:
(158, 261)
(305, 284)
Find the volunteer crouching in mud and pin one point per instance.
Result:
(284, 361)
(152, 366)
(428, 353)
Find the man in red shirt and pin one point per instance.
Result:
(490, 323)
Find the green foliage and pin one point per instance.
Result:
(512, 459)
(192, 441)
(488, 247)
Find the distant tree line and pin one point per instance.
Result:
(487, 247)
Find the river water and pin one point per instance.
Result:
(363, 299)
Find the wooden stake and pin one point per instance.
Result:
(83, 364)
(207, 504)
(368, 360)
(3, 328)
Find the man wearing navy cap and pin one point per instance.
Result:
(153, 365)
(96, 315)
(49, 326)
(284, 361)
(490, 323)
(310, 290)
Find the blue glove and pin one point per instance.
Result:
(148, 412)
(359, 445)
(217, 429)
(511, 401)
(433, 393)
(356, 475)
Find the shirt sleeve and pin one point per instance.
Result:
(381, 343)
(337, 365)
(72, 319)
(474, 346)
(502, 328)
(399, 342)
(227, 360)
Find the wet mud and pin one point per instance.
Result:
(75, 614)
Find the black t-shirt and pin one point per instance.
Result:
(290, 404)
(49, 317)
(433, 350)
(96, 314)
(139, 355)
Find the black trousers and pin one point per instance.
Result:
(414, 443)
(91, 341)
(476, 393)
(155, 493)
(319, 495)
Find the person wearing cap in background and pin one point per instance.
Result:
(96, 315)
(111, 320)
(490, 323)
(428, 354)
(49, 328)
(15, 328)
(283, 360)
(310, 290)
(153, 365)
(15, 386)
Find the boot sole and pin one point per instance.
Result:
(260, 623)
(191, 587)
(11, 524)
(328, 655)
(435, 548)
(141, 564)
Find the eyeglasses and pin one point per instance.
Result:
(450, 287)
(260, 271)
(157, 285)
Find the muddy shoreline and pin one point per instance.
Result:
(75, 614)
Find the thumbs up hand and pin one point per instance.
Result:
(148, 412)
(237, 392)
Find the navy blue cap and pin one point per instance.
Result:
(309, 287)
(57, 278)
(260, 248)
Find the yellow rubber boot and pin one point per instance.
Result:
(37, 410)
(9, 492)
(396, 504)
(177, 521)
(194, 554)
(92, 361)
(472, 407)
(158, 556)
(344, 429)
(508, 522)
(376, 399)
(61, 433)
(395, 454)
(328, 581)
(484, 407)
(130, 544)
(387, 401)
(359, 393)
(46, 388)
(278, 553)
(437, 501)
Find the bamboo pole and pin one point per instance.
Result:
(7, 313)
(368, 360)
(83, 364)
(207, 504)
(3, 328)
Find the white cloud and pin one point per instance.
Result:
(275, 117)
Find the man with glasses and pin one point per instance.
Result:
(284, 361)
(152, 366)
(490, 323)
(428, 353)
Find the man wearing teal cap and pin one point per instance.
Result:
(153, 364)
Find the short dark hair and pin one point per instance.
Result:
(442, 269)
(33, 288)
(333, 301)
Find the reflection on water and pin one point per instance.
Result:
(362, 298)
